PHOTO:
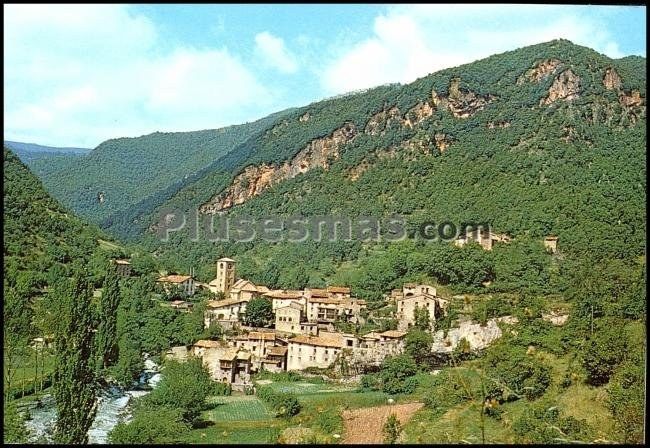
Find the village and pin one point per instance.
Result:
(303, 334)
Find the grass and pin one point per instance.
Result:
(237, 408)
(235, 433)
(303, 388)
(25, 372)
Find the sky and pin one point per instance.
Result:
(76, 75)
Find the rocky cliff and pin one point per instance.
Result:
(256, 179)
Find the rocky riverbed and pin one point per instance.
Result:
(113, 408)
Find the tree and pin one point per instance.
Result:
(422, 318)
(214, 331)
(106, 338)
(14, 429)
(392, 429)
(75, 388)
(151, 426)
(418, 345)
(184, 385)
(626, 402)
(396, 373)
(16, 328)
(605, 349)
(259, 312)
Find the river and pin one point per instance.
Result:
(112, 409)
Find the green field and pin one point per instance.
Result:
(237, 408)
(243, 432)
(303, 388)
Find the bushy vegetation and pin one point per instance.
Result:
(544, 424)
(284, 404)
(397, 376)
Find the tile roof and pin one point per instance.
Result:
(226, 259)
(284, 294)
(316, 292)
(294, 305)
(243, 355)
(277, 351)
(122, 261)
(393, 334)
(338, 289)
(229, 355)
(259, 335)
(174, 278)
(325, 300)
(321, 341)
(224, 303)
(371, 335)
(207, 343)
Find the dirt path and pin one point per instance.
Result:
(365, 425)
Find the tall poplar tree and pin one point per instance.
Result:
(106, 337)
(75, 387)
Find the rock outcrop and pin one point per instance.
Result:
(541, 70)
(566, 87)
(498, 124)
(257, 178)
(477, 336)
(462, 104)
(611, 80)
(380, 121)
(442, 141)
(418, 113)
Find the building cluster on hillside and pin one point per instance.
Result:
(304, 333)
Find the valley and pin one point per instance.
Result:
(531, 330)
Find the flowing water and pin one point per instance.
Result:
(112, 409)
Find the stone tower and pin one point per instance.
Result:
(225, 274)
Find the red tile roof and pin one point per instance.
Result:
(174, 278)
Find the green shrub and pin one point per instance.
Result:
(371, 381)
(284, 404)
(544, 424)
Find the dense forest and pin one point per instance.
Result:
(129, 176)
(574, 169)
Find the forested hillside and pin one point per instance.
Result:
(125, 177)
(547, 139)
(40, 236)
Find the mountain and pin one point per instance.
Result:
(31, 151)
(127, 176)
(40, 236)
(546, 139)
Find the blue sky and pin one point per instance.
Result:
(76, 75)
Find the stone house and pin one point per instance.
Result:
(373, 348)
(182, 306)
(283, 297)
(183, 282)
(407, 305)
(485, 238)
(550, 243)
(338, 292)
(225, 364)
(289, 317)
(275, 360)
(225, 312)
(246, 290)
(313, 351)
(123, 268)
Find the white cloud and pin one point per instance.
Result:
(412, 41)
(274, 53)
(78, 75)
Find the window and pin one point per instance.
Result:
(349, 343)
